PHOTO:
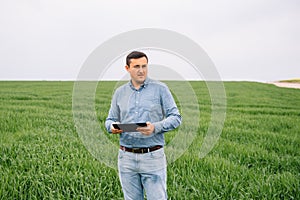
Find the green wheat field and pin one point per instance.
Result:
(256, 157)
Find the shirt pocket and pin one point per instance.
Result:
(153, 109)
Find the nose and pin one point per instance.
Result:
(140, 69)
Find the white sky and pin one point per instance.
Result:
(256, 40)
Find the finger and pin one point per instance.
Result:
(116, 131)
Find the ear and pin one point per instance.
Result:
(127, 67)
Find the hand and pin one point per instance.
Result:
(114, 130)
(147, 130)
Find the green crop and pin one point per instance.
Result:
(256, 157)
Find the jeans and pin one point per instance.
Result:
(139, 172)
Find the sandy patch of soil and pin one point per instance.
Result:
(287, 85)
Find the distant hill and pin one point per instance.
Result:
(295, 80)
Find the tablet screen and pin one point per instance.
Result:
(129, 127)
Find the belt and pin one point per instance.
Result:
(141, 150)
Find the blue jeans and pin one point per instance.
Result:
(139, 172)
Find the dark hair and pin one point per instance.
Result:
(135, 55)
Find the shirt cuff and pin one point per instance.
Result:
(158, 127)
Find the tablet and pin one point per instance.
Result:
(129, 127)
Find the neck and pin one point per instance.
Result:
(136, 85)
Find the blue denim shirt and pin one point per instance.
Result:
(152, 102)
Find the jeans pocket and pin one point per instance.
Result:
(121, 154)
(152, 161)
(157, 154)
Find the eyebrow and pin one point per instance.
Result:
(145, 65)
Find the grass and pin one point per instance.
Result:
(256, 157)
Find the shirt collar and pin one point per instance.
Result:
(144, 85)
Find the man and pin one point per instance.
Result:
(141, 160)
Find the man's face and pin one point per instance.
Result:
(138, 69)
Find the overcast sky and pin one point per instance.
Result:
(255, 40)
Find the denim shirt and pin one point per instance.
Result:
(152, 102)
